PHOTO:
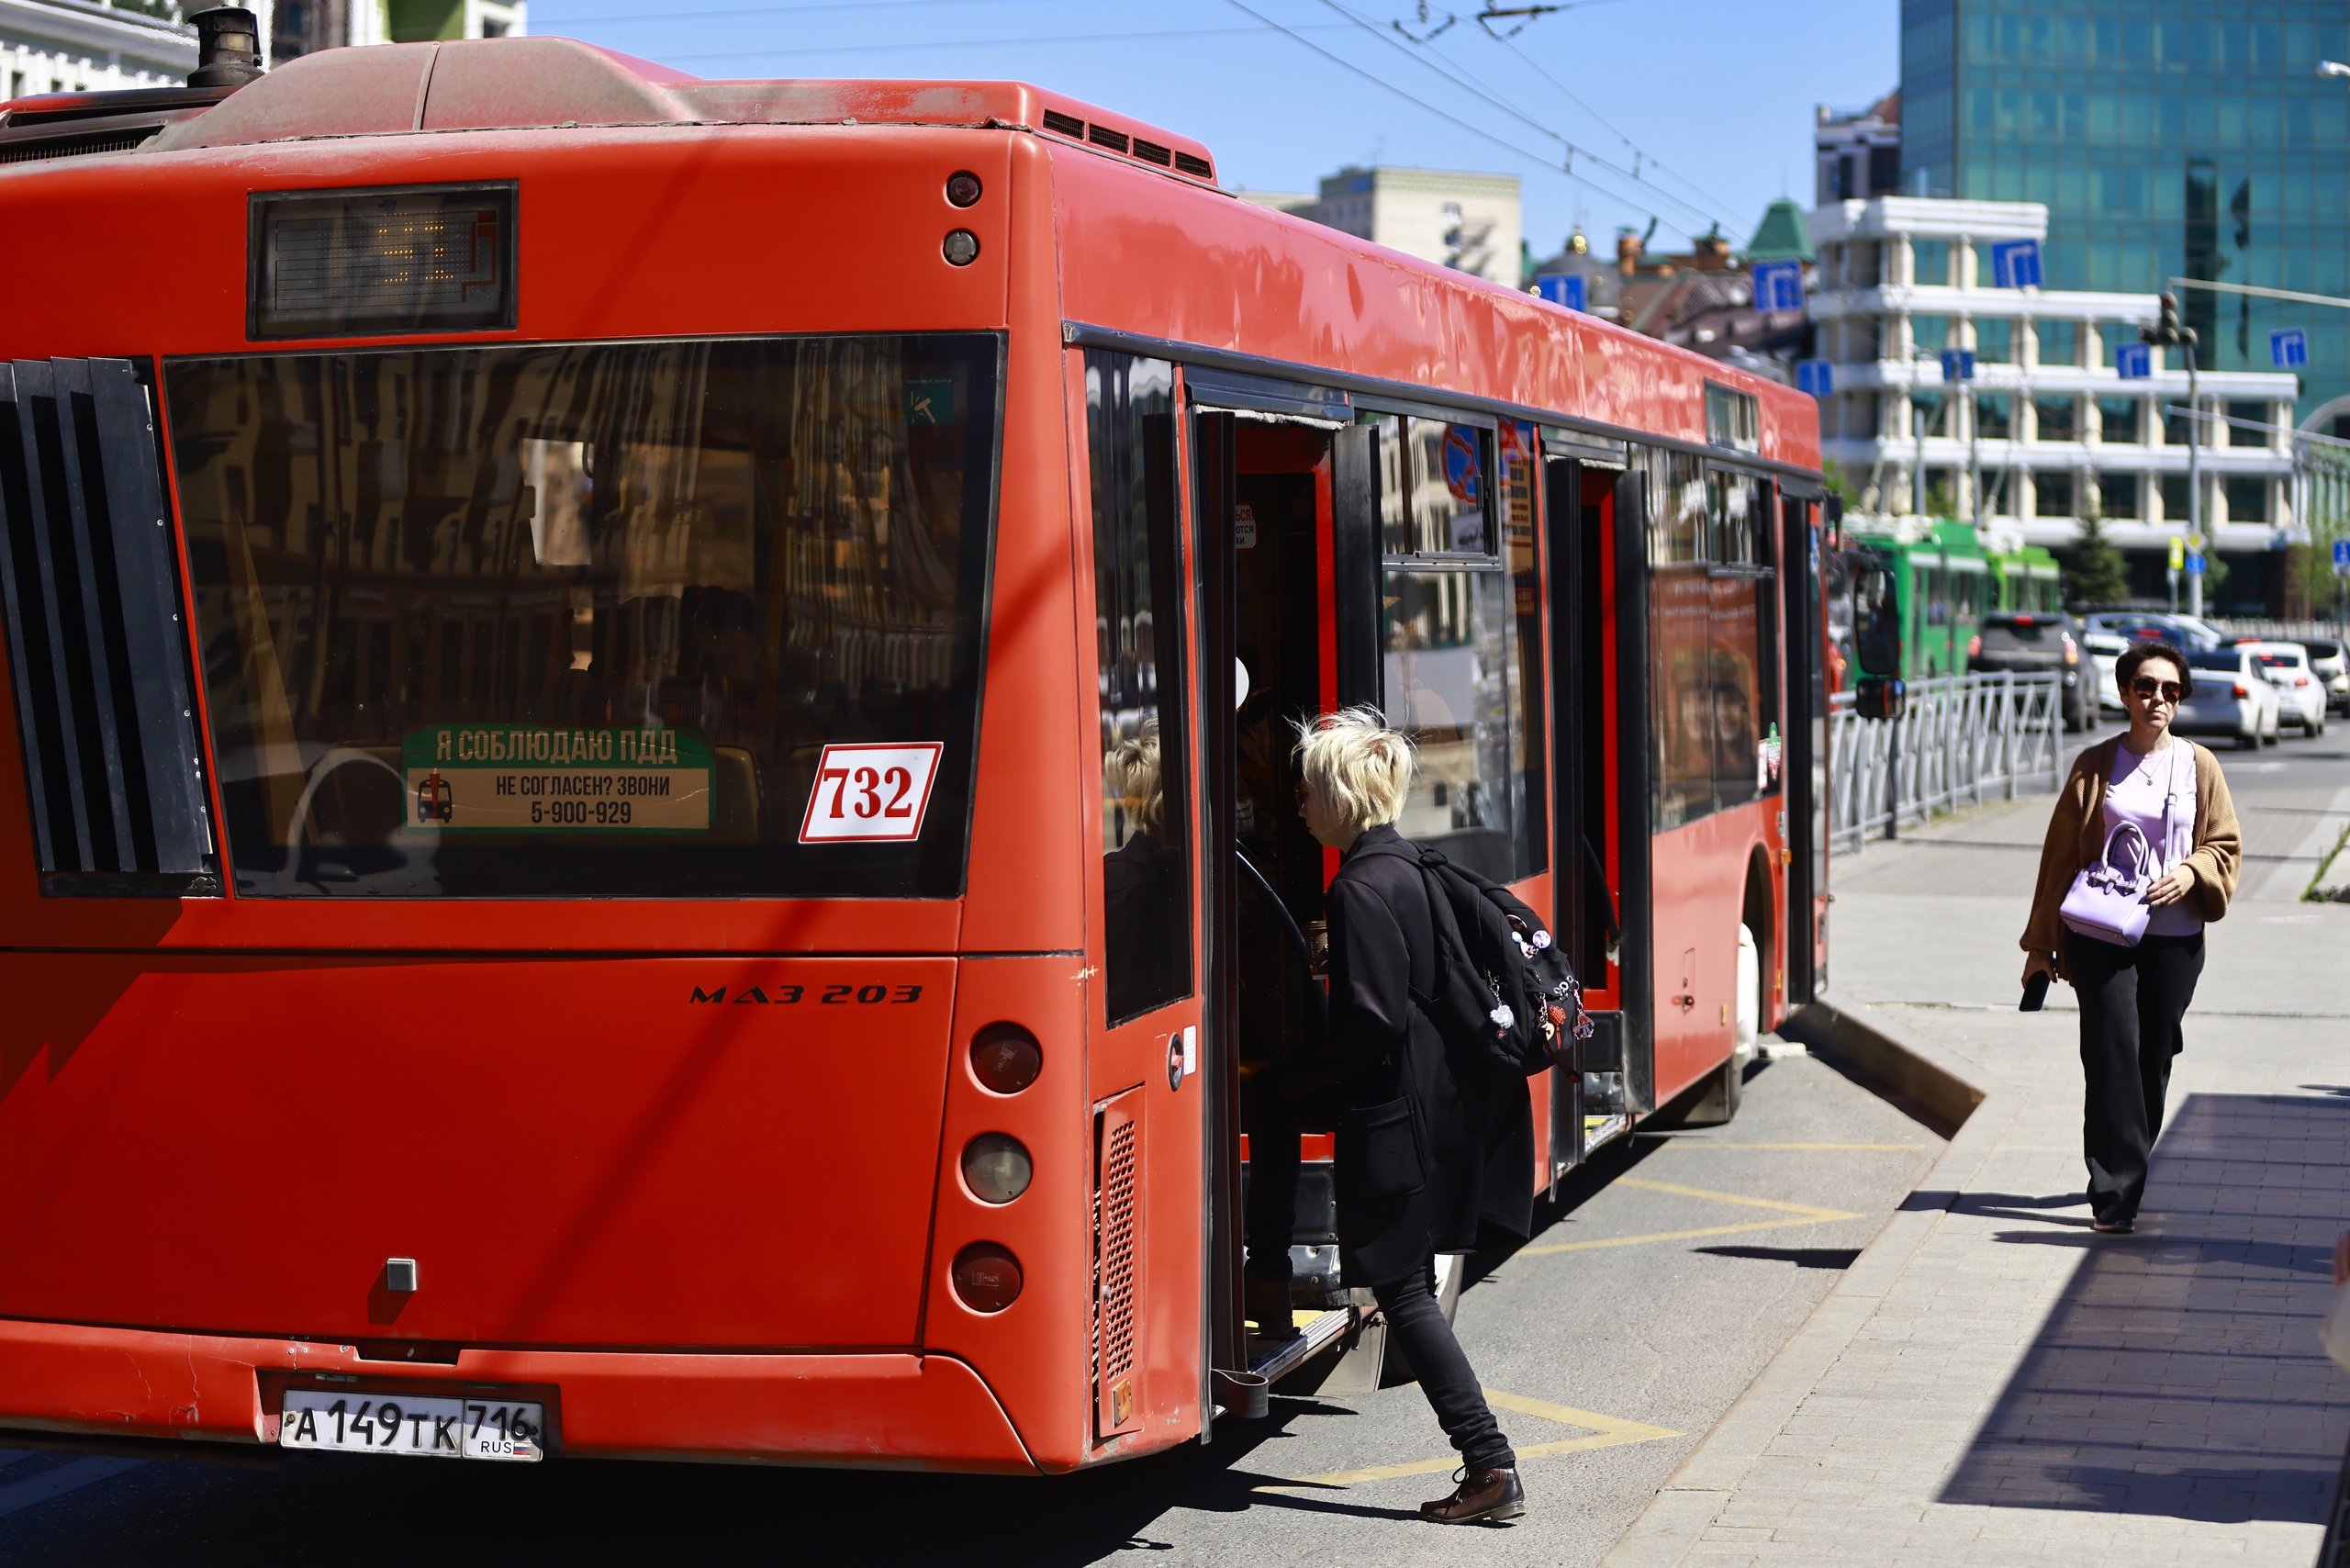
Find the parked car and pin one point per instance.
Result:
(2299, 694)
(2326, 662)
(2036, 642)
(2181, 630)
(2231, 698)
(2103, 648)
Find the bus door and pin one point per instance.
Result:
(1805, 836)
(1581, 476)
(1267, 459)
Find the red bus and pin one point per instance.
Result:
(575, 880)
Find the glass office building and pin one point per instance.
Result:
(2167, 138)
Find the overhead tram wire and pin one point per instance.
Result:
(1571, 96)
(970, 43)
(1635, 202)
(1477, 89)
(779, 10)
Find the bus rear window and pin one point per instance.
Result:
(656, 620)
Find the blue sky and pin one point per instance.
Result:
(1708, 102)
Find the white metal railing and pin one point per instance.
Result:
(1964, 740)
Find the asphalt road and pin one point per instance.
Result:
(1674, 1269)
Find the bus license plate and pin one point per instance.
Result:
(417, 1426)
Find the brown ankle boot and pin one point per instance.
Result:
(1482, 1495)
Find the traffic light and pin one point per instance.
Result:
(2167, 330)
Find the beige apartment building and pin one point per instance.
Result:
(1469, 222)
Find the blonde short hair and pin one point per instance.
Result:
(1131, 780)
(1361, 769)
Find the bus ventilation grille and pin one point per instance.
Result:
(79, 145)
(1115, 1266)
(1116, 140)
(97, 651)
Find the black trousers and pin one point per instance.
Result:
(1417, 1321)
(2132, 1001)
(1274, 1114)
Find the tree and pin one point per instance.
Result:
(2098, 574)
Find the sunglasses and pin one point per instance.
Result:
(2147, 689)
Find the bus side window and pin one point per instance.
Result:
(1449, 633)
(1137, 577)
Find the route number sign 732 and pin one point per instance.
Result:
(869, 793)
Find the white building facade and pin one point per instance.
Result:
(100, 46)
(93, 48)
(2054, 431)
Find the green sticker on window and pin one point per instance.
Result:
(930, 399)
(522, 779)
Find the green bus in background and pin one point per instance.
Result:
(2029, 579)
(1942, 583)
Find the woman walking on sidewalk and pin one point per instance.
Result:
(2133, 995)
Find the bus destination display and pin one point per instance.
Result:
(520, 779)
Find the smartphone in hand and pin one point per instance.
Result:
(2035, 993)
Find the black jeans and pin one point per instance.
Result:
(2132, 1001)
(1274, 1114)
(1426, 1341)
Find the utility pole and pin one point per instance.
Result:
(2166, 332)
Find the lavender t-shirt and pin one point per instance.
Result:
(2135, 792)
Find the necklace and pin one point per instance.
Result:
(2144, 766)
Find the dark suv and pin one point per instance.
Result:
(2043, 642)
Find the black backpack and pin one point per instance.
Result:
(1500, 978)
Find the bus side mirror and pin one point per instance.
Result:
(1878, 639)
(1881, 697)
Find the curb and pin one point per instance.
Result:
(1930, 1085)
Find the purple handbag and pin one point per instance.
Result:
(2107, 899)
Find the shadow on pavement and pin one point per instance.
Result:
(2179, 1373)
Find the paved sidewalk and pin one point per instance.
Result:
(1991, 1383)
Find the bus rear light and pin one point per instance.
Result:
(1006, 1059)
(987, 1277)
(963, 188)
(961, 248)
(996, 1168)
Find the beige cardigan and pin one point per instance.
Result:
(2077, 837)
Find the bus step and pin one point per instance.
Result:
(1275, 1360)
(1597, 1130)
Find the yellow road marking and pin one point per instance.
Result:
(1807, 1214)
(1853, 1147)
(1811, 1210)
(1607, 1432)
(1670, 1236)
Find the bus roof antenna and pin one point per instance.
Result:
(228, 48)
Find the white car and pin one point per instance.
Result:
(2300, 694)
(2326, 662)
(2231, 698)
(2104, 648)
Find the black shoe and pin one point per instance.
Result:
(2112, 1227)
(1482, 1495)
(1266, 1304)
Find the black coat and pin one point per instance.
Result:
(1435, 1142)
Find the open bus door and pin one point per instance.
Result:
(1597, 677)
(1277, 641)
(1803, 584)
